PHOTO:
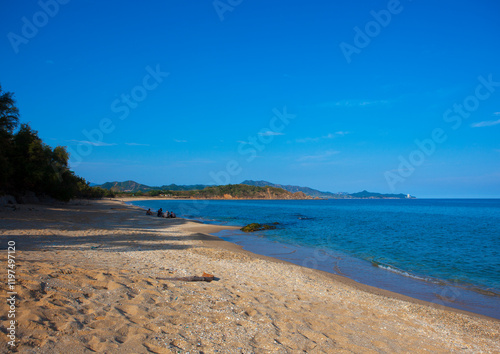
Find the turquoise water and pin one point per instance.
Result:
(441, 250)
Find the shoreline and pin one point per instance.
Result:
(92, 277)
(374, 289)
(355, 284)
(438, 293)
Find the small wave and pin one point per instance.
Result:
(482, 291)
(303, 217)
(404, 273)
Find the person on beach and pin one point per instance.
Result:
(149, 212)
(160, 213)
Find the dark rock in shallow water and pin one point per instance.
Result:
(258, 227)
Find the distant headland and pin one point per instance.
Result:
(247, 189)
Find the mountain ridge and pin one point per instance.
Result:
(291, 188)
(328, 195)
(134, 187)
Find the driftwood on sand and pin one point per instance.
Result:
(205, 277)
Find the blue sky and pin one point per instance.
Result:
(388, 96)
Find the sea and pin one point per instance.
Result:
(444, 251)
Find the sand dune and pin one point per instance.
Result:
(89, 280)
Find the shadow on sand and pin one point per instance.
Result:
(100, 225)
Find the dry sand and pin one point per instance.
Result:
(88, 280)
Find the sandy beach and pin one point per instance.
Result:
(94, 277)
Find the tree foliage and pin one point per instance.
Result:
(28, 164)
(9, 114)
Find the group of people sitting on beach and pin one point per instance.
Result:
(161, 214)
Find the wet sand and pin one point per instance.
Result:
(94, 278)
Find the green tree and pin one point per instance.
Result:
(28, 164)
(29, 153)
(154, 193)
(44, 170)
(9, 113)
(109, 193)
(9, 120)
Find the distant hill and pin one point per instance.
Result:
(175, 187)
(309, 191)
(269, 191)
(366, 194)
(200, 191)
(132, 187)
(238, 191)
(127, 186)
(328, 195)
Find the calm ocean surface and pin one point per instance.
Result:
(446, 251)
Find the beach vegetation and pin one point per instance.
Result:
(28, 165)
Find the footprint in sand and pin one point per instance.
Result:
(111, 285)
(128, 311)
(98, 345)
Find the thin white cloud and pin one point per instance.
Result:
(136, 144)
(341, 133)
(180, 141)
(93, 143)
(308, 140)
(270, 133)
(196, 161)
(353, 103)
(318, 157)
(316, 139)
(486, 123)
